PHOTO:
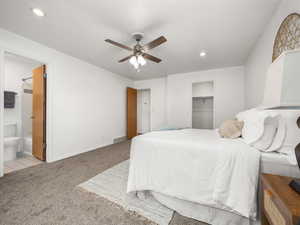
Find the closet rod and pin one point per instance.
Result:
(27, 78)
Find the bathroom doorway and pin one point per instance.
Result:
(24, 112)
(138, 112)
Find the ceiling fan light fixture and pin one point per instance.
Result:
(133, 61)
(139, 52)
(141, 60)
(203, 53)
(38, 12)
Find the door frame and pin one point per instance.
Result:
(49, 100)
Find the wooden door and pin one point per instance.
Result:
(131, 113)
(39, 113)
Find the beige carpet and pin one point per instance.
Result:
(47, 193)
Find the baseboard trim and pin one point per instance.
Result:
(27, 153)
(120, 139)
(78, 153)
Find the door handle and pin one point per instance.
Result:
(32, 117)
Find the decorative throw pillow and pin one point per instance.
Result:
(231, 129)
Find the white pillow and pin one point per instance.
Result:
(260, 128)
(292, 137)
(253, 125)
(270, 130)
(280, 135)
(241, 116)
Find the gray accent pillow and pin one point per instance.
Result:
(231, 129)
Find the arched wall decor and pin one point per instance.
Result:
(288, 35)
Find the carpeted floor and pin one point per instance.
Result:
(47, 193)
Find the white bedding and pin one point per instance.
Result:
(279, 164)
(196, 166)
(273, 163)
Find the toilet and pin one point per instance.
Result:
(11, 147)
(11, 142)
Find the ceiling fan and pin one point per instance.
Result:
(139, 52)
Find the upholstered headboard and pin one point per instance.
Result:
(288, 35)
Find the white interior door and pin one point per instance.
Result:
(144, 111)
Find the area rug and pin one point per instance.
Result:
(111, 184)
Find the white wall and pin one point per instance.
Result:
(86, 104)
(228, 95)
(158, 100)
(261, 56)
(171, 97)
(203, 89)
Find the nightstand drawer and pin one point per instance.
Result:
(280, 203)
(272, 210)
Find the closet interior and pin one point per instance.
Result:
(203, 105)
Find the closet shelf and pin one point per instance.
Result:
(203, 110)
(207, 96)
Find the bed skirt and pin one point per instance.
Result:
(216, 216)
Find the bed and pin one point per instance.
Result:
(216, 169)
(273, 163)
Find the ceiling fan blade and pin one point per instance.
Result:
(154, 43)
(119, 45)
(124, 59)
(151, 57)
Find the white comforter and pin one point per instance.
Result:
(197, 166)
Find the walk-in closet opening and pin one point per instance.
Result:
(203, 105)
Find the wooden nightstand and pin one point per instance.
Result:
(280, 204)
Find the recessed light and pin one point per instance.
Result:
(203, 53)
(38, 12)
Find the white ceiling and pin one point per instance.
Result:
(226, 29)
